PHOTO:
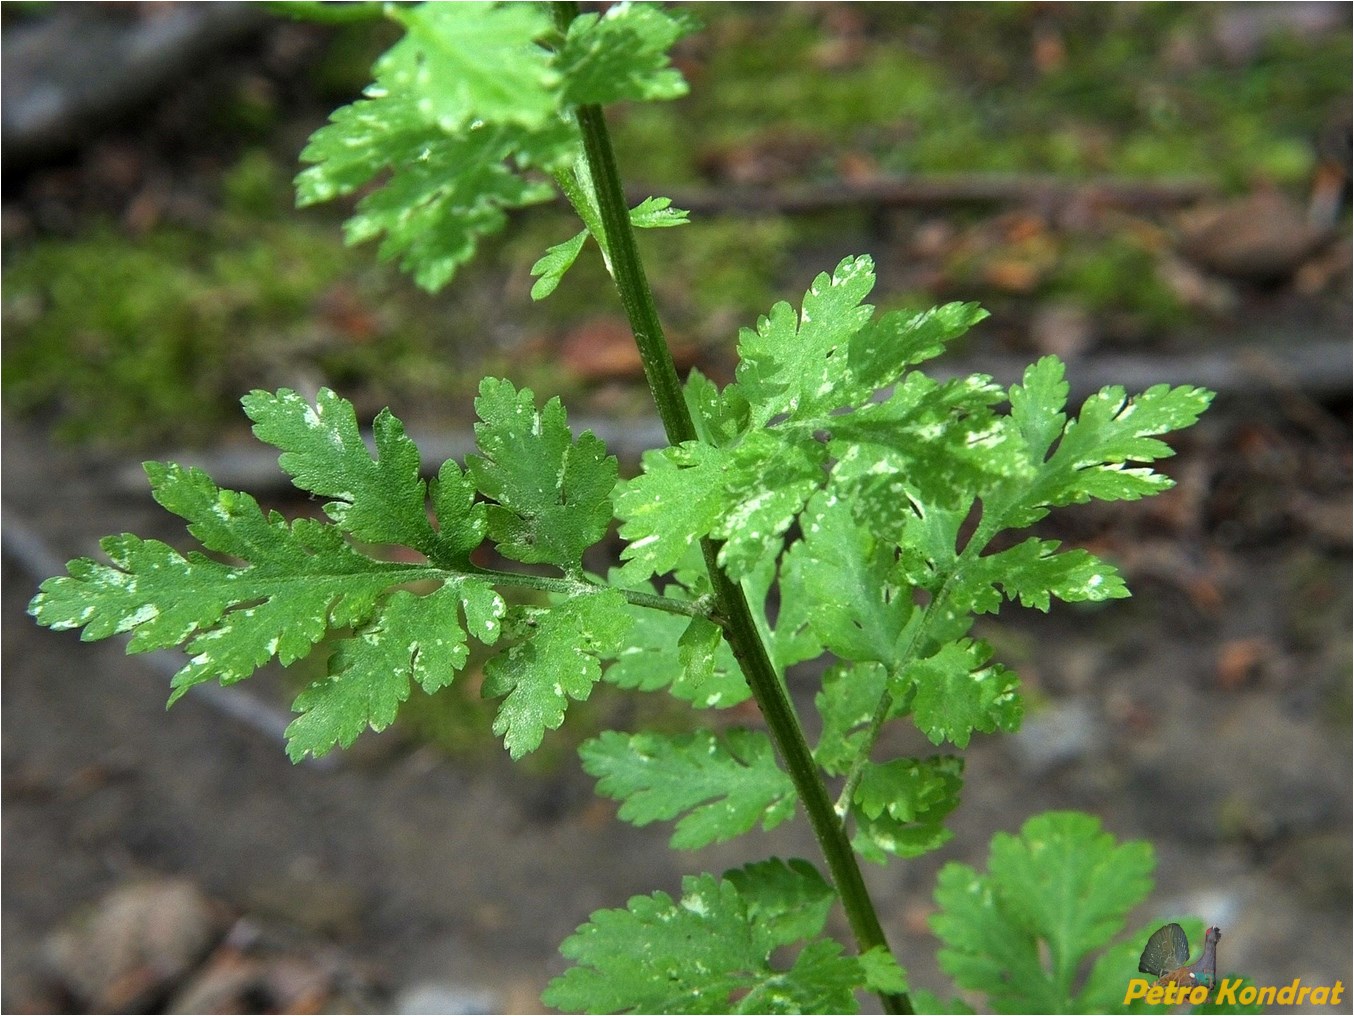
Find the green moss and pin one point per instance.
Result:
(133, 340)
(128, 341)
(1139, 90)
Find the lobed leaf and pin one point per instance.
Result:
(549, 270)
(725, 785)
(623, 54)
(853, 598)
(848, 699)
(1090, 457)
(954, 692)
(382, 500)
(461, 104)
(939, 443)
(413, 638)
(880, 352)
(1032, 573)
(712, 950)
(557, 658)
(552, 493)
(688, 656)
(767, 480)
(669, 507)
(900, 806)
(472, 61)
(299, 581)
(1063, 886)
(791, 364)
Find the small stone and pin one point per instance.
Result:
(136, 944)
(1055, 736)
(449, 999)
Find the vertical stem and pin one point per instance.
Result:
(741, 629)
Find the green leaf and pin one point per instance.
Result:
(444, 193)
(299, 581)
(954, 693)
(623, 54)
(557, 658)
(303, 580)
(726, 786)
(472, 61)
(651, 213)
(939, 443)
(791, 362)
(847, 701)
(550, 269)
(460, 518)
(414, 637)
(720, 417)
(460, 105)
(553, 493)
(688, 656)
(711, 951)
(670, 506)
(879, 353)
(379, 501)
(657, 213)
(787, 900)
(1062, 889)
(768, 479)
(1032, 573)
(746, 496)
(882, 972)
(907, 789)
(1091, 455)
(855, 602)
(900, 806)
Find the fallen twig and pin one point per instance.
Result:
(932, 191)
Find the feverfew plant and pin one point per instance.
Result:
(833, 501)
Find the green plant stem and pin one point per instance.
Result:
(740, 625)
(572, 587)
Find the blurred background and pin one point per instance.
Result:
(1152, 192)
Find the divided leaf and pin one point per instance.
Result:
(1032, 572)
(623, 54)
(381, 500)
(557, 658)
(790, 364)
(470, 61)
(462, 98)
(848, 584)
(954, 692)
(900, 806)
(1063, 885)
(553, 493)
(746, 496)
(462, 106)
(444, 192)
(302, 580)
(848, 699)
(413, 637)
(651, 213)
(298, 582)
(711, 950)
(669, 507)
(688, 656)
(879, 353)
(726, 785)
(1091, 453)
